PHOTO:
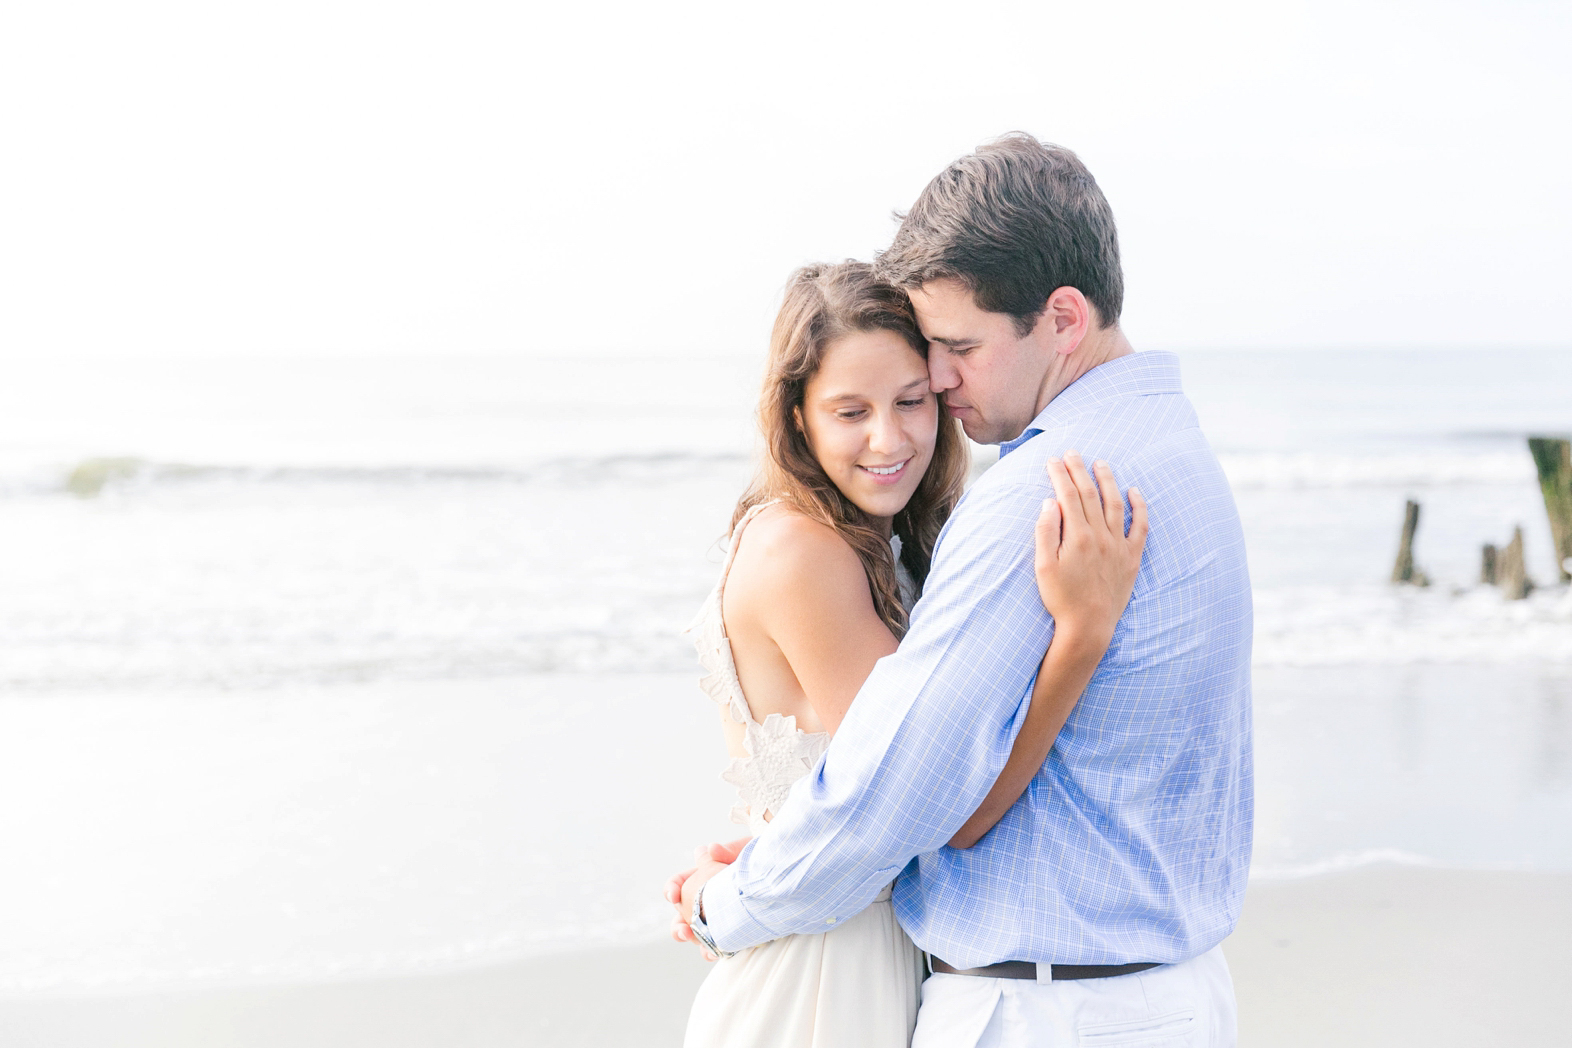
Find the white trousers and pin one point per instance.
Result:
(1186, 1005)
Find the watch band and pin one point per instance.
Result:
(701, 931)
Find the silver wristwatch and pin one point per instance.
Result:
(701, 931)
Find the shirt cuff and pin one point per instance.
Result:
(728, 920)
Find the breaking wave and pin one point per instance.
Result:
(98, 475)
(1408, 470)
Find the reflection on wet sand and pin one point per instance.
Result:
(1458, 765)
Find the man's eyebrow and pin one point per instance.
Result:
(954, 342)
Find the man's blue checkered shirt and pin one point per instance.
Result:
(1133, 841)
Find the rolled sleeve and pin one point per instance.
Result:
(727, 916)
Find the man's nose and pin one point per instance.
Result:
(941, 373)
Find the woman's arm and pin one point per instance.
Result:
(1086, 568)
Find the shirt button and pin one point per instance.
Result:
(829, 920)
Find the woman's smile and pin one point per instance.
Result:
(890, 474)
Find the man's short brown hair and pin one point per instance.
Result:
(1013, 221)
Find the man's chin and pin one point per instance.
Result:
(978, 431)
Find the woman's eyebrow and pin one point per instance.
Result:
(833, 397)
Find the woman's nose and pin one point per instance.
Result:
(885, 435)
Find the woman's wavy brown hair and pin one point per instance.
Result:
(824, 303)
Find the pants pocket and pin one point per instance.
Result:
(1174, 1030)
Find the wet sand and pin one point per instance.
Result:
(1378, 956)
(1404, 956)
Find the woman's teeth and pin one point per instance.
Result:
(885, 471)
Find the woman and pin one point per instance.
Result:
(829, 551)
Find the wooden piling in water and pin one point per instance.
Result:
(1404, 571)
(1511, 572)
(1487, 565)
(1553, 460)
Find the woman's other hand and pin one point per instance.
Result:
(1086, 564)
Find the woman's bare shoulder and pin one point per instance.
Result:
(785, 554)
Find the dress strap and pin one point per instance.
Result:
(736, 535)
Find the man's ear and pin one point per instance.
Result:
(1064, 321)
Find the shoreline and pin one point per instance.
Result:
(1379, 955)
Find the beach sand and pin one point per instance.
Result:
(1389, 955)
(1395, 955)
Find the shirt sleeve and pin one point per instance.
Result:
(922, 744)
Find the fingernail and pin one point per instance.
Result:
(1101, 464)
(1046, 504)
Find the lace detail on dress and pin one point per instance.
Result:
(778, 752)
(720, 672)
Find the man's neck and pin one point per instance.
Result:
(1098, 347)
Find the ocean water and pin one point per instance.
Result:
(335, 659)
(256, 522)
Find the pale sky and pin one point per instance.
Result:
(460, 177)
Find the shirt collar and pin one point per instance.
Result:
(1133, 375)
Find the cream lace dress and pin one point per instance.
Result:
(854, 986)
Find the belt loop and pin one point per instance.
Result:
(927, 962)
(1044, 973)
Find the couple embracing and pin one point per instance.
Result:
(994, 750)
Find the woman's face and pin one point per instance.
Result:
(871, 420)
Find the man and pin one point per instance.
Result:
(1093, 911)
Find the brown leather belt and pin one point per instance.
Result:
(1028, 970)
